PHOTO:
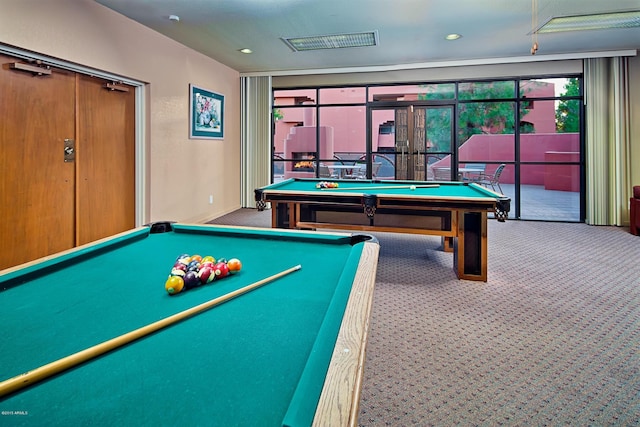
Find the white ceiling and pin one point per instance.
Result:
(409, 31)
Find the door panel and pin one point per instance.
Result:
(403, 152)
(106, 160)
(419, 143)
(422, 136)
(36, 184)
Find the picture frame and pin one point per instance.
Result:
(206, 113)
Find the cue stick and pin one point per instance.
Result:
(31, 377)
(385, 187)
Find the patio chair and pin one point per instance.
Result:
(492, 180)
(325, 172)
(359, 171)
(442, 174)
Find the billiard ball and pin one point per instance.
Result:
(234, 265)
(208, 258)
(206, 275)
(221, 269)
(193, 266)
(174, 284)
(191, 280)
(183, 256)
(177, 272)
(413, 187)
(180, 266)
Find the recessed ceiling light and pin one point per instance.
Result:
(599, 21)
(334, 41)
(452, 36)
(245, 50)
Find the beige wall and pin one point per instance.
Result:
(181, 173)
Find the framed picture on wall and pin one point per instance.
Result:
(206, 114)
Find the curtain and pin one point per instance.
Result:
(255, 136)
(608, 141)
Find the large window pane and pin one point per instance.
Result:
(486, 132)
(548, 88)
(438, 130)
(342, 133)
(538, 116)
(487, 90)
(295, 142)
(294, 97)
(343, 95)
(550, 192)
(412, 92)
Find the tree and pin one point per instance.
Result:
(568, 111)
(486, 117)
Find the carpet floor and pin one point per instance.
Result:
(552, 338)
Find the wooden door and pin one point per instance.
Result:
(36, 184)
(423, 136)
(410, 142)
(106, 159)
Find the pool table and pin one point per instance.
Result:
(457, 211)
(288, 353)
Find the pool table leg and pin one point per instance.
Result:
(447, 244)
(283, 215)
(470, 246)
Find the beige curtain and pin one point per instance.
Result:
(255, 122)
(608, 142)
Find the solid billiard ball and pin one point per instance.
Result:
(174, 284)
(234, 265)
(191, 280)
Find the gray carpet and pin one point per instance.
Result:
(551, 339)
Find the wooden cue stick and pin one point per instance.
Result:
(385, 187)
(31, 377)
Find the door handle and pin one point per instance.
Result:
(69, 150)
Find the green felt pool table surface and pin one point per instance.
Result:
(422, 189)
(259, 359)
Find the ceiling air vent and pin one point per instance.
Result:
(335, 41)
(601, 21)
